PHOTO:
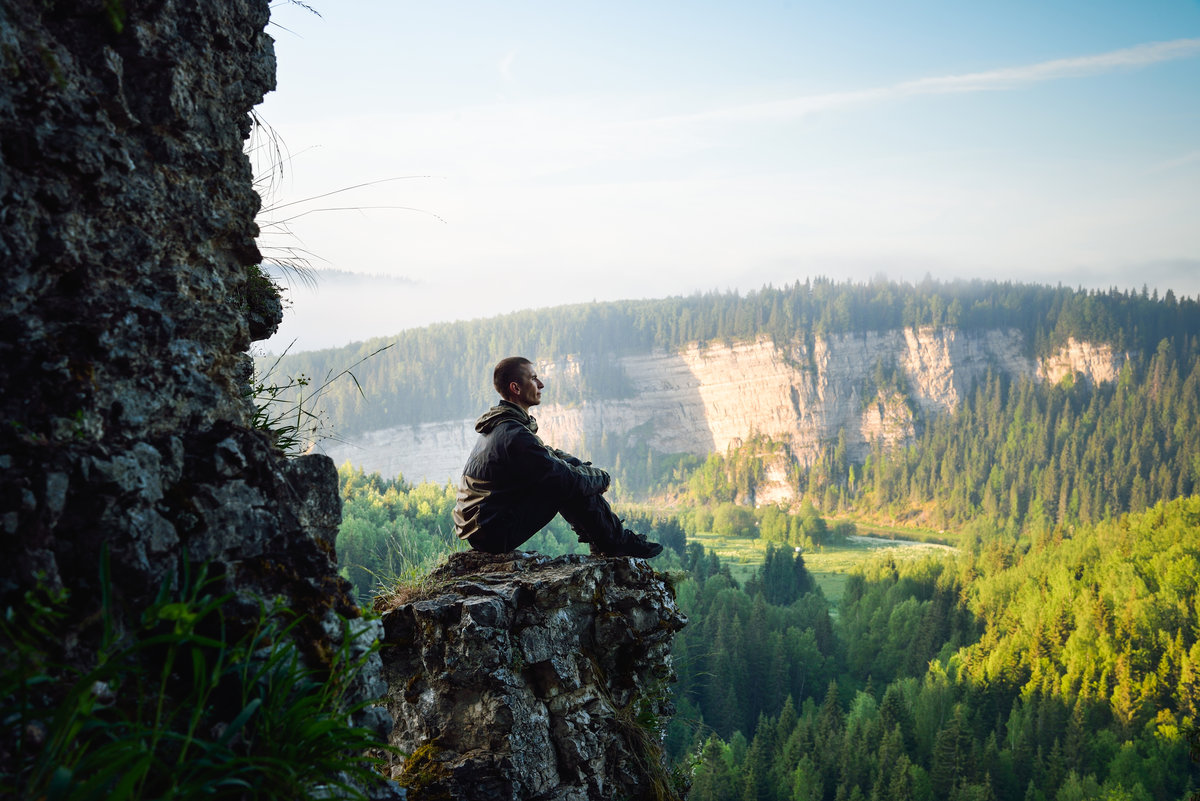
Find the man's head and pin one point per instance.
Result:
(517, 381)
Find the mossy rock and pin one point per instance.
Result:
(425, 775)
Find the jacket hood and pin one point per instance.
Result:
(505, 410)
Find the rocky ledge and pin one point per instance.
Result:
(520, 676)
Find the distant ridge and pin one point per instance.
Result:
(442, 371)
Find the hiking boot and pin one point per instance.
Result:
(630, 543)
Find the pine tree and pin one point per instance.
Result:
(951, 759)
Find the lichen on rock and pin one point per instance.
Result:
(520, 676)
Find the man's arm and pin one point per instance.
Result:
(574, 461)
(539, 464)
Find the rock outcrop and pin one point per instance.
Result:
(128, 228)
(705, 399)
(127, 238)
(1096, 364)
(518, 676)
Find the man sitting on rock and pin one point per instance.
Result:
(513, 484)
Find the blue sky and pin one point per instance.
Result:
(563, 152)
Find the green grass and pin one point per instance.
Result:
(873, 528)
(177, 706)
(830, 566)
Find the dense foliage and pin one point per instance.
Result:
(185, 705)
(1068, 671)
(746, 650)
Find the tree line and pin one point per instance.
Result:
(443, 371)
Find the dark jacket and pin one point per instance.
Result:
(511, 475)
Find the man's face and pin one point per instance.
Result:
(528, 390)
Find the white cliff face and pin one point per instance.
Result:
(425, 452)
(705, 399)
(1096, 363)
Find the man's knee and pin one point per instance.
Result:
(482, 542)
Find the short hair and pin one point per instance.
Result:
(508, 370)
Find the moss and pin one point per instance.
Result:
(411, 690)
(425, 775)
(260, 301)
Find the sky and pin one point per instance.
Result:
(476, 158)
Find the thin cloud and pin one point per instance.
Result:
(1174, 164)
(1010, 77)
(989, 80)
(506, 65)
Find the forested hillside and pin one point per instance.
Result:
(1024, 457)
(1070, 671)
(1027, 455)
(1067, 668)
(442, 372)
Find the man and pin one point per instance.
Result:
(513, 484)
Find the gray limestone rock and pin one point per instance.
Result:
(128, 298)
(519, 676)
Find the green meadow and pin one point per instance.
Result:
(830, 564)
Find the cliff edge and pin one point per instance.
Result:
(519, 676)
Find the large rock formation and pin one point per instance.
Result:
(128, 228)
(519, 676)
(804, 395)
(127, 239)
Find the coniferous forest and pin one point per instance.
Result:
(1053, 654)
(1066, 668)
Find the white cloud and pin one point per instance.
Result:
(522, 142)
(989, 80)
(1007, 78)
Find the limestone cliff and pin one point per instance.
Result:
(1093, 363)
(705, 399)
(519, 676)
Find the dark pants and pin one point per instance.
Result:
(590, 515)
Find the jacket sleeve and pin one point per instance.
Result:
(574, 461)
(541, 465)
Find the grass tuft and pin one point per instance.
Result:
(176, 705)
